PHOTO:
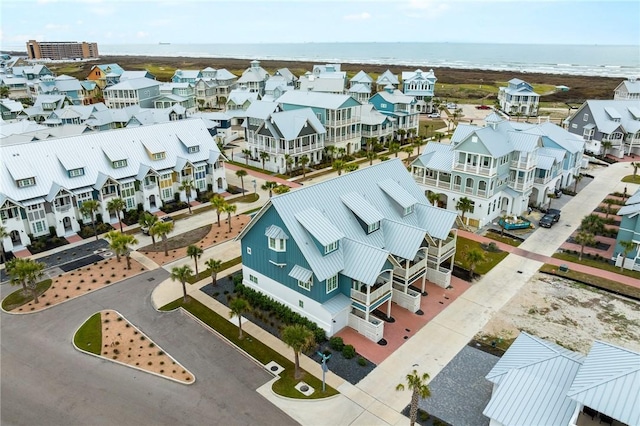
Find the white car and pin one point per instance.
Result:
(451, 106)
(434, 115)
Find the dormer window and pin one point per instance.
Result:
(159, 156)
(118, 164)
(194, 149)
(22, 183)
(331, 247)
(408, 210)
(76, 172)
(373, 227)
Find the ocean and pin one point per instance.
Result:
(593, 60)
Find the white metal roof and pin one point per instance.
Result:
(276, 232)
(397, 193)
(314, 99)
(318, 226)
(299, 273)
(361, 208)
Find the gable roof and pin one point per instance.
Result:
(387, 77)
(609, 382)
(623, 108)
(315, 99)
(361, 77)
(133, 84)
(289, 124)
(408, 76)
(631, 86)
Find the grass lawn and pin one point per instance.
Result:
(503, 239)
(631, 179)
(18, 298)
(492, 259)
(594, 281)
(258, 350)
(597, 264)
(207, 272)
(89, 335)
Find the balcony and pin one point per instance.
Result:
(150, 186)
(469, 168)
(379, 291)
(333, 123)
(63, 208)
(521, 165)
(542, 181)
(521, 186)
(109, 195)
(439, 276)
(447, 249)
(409, 300)
(433, 182)
(373, 329)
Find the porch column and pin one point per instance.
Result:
(389, 309)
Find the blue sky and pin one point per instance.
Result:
(287, 21)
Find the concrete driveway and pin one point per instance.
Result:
(44, 380)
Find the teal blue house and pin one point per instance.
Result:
(629, 231)
(341, 251)
(401, 109)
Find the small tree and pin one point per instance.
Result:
(299, 338)
(187, 187)
(550, 196)
(281, 189)
(433, 197)
(593, 224)
(626, 246)
(371, 155)
(304, 160)
(474, 257)
(214, 266)
(606, 146)
(394, 148)
(116, 205)
(247, 155)
(584, 238)
(195, 253)
(269, 186)
(33, 274)
(114, 243)
(408, 150)
(162, 229)
(147, 220)
(401, 134)
(90, 208)
(182, 274)
(635, 166)
(608, 202)
(419, 388)
(230, 209)
(338, 165)
(351, 167)
(218, 203)
(241, 174)
(465, 205)
(288, 161)
(263, 157)
(237, 307)
(17, 272)
(576, 178)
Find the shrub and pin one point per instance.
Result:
(362, 362)
(348, 351)
(336, 343)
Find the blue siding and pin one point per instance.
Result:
(629, 230)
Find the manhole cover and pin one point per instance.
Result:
(304, 388)
(274, 368)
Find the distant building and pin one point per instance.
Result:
(627, 90)
(518, 98)
(58, 50)
(629, 231)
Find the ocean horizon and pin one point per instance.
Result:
(593, 60)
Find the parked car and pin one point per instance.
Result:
(434, 115)
(145, 229)
(451, 105)
(547, 221)
(555, 213)
(483, 107)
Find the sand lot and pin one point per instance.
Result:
(569, 314)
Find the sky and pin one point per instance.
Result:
(293, 21)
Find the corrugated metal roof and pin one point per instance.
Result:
(609, 382)
(387, 77)
(299, 273)
(524, 142)
(634, 199)
(337, 304)
(402, 239)
(603, 120)
(314, 99)
(290, 123)
(437, 222)
(19, 166)
(437, 156)
(319, 226)
(397, 193)
(558, 154)
(133, 84)
(362, 77)
(276, 232)
(361, 208)
(545, 162)
(363, 262)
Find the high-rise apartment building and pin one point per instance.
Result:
(58, 50)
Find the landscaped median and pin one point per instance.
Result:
(285, 385)
(108, 335)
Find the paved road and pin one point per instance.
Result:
(44, 380)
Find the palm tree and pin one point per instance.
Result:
(606, 146)
(304, 160)
(550, 196)
(264, 156)
(338, 165)
(584, 238)
(230, 209)
(330, 150)
(627, 246)
(162, 229)
(371, 155)
(126, 242)
(147, 220)
(17, 273)
(418, 142)
(114, 243)
(608, 202)
(218, 203)
(341, 152)
(593, 224)
(299, 338)
(394, 148)
(419, 388)
(187, 187)
(241, 174)
(433, 197)
(195, 253)
(116, 205)
(281, 189)
(576, 178)
(474, 257)
(269, 186)
(635, 166)
(247, 155)
(237, 307)
(214, 266)
(351, 167)
(33, 273)
(3, 234)
(464, 205)
(182, 274)
(401, 133)
(409, 151)
(288, 161)
(89, 208)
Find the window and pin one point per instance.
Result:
(119, 164)
(301, 303)
(409, 210)
(26, 182)
(331, 247)
(248, 250)
(574, 126)
(373, 227)
(159, 156)
(194, 149)
(585, 117)
(253, 279)
(332, 283)
(277, 244)
(76, 172)
(306, 284)
(383, 105)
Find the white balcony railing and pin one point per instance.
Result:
(440, 276)
(483, 171)
(150, 186)
(372, 329)
(63, 208)
(371, 297)
(444, 251)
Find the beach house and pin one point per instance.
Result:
(136, 91)
(421, 85)
(629, 230)
(385, 79)
(341, 251)
(627, 90)
(100, 72)
(518, 98)
(44, 183)
(254, 78)
(400, 108)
